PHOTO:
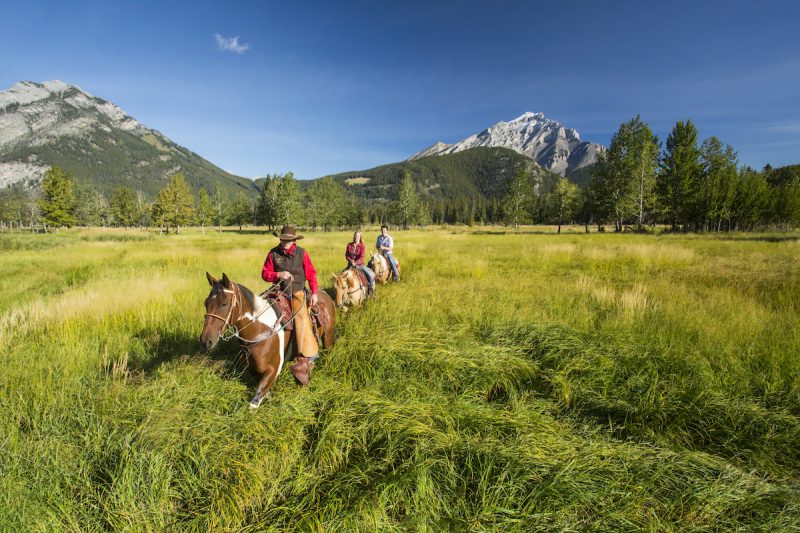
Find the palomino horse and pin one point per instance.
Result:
(380, 265)
(350, 290)
(258, 328)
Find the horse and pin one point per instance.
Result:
(257, 326)
(350, 289)
(379, 264)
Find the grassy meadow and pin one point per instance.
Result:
(525, 381)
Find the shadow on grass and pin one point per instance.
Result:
(166, 348)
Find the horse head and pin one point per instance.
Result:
(380, 265)
(342, 286)
(223, 307)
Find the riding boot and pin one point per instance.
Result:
(301, 369)
(307, 347)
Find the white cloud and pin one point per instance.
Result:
(231, 45)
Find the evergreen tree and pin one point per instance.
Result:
(290, 209)
(220, 203)
(240, 210)
(144, 210)
(174, 206)
(623, 179)
(279, 201)
(597, 195)
(680, 168)
(565, 201)
(751, 200)
(327, 203)
(716, 187)
(17, 205)
(355, 213)
(58, 202)
(267, 203)
(92, 208)
(785, 203)
(408, 202)
(205, 209)
(612, 179)
(517, 202)
(123, 206)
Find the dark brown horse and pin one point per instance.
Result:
(257, 327)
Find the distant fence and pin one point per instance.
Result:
(11, 227)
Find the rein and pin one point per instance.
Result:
(360, 287)
(230, 310)
(236, 331)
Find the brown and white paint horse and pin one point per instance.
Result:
(350, 291)
(257, 327)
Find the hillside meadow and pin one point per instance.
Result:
(526, 381)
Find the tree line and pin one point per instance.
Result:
(634, 184)
(63, 202)
(687, 186)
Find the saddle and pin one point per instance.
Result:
(362, 278)
(283, 308)
(319, 320)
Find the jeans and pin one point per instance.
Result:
(369, 273)
(392, 264)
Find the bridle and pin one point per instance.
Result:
(352, 291)
(227, 319)
(276, 328)
(378, 259)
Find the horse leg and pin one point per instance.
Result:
(263, 388)
(265, 362)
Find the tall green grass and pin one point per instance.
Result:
(509, 382)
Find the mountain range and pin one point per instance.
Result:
(553, 146)
(102, 146)
(57, 123)
(484, 171)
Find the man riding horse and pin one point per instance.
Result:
(291, 266)
(385, 244)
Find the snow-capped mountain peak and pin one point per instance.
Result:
(553, 146)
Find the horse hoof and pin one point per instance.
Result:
(256, 402)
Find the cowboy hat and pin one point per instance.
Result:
(288, 234)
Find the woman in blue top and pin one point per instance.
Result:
(385, 245)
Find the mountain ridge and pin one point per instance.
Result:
(480, 171)
(54, 122)
(552, 145)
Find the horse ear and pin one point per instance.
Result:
(333, 276)
(226, 282)
(211, 279)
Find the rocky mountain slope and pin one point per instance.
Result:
(95, 141)
(555, 147)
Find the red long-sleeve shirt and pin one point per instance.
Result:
(355, 253)
(269, 275)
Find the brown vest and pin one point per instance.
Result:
(293, 265)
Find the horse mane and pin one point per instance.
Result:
(248, 294)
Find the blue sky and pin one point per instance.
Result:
(324, 87)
